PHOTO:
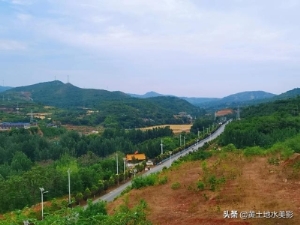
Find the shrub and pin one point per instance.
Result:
(229, 148)
(139, 182)
(200, 155)
(253, 151)
(212, 180)
(200, 185)
(126, 190)
(273, 161)
(175, 185)
(163, 180)
(286, 153)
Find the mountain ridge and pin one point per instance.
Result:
(64, 91)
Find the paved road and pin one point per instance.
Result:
(166, 163)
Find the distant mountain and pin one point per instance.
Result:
(238, 99)
(234, 100)
(289, 94)
(199, 101)
(247, 96)
(4, 88)
(150, 94)
(193, 100)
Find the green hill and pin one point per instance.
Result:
(58, 94)
(109, 108)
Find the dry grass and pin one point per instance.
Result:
(177, 128)
(251, 185)
(84, 129)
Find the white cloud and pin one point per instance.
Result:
(162, 25)
(9, 45)
(126, 37)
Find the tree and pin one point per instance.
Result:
(20, 162)
(87, 193)
(79, 197)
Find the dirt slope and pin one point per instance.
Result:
(252, 185)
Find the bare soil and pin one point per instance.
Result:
(252, 184)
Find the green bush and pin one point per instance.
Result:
(286, 153)
(163, 180)
(200, 185)
(139, 182)
(212, 180)
(200, 155)
(126, 190)
(254, 151)
(175, 185)
(229, 148)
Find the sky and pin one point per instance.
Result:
(187, 48)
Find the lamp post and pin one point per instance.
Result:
(117, 167)
(161, 147)
(124, 168)
(170, 152)
(180, 140)
(69, 182)
(42, 200)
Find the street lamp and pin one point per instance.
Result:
(170, 152)
(124, 159)
(180, 140)
(117, 167)
(69, 182)
(42, 200)
(161, 147)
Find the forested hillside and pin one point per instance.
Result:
(264, 124)
(40, 157)
(56, 93)
(99, 107)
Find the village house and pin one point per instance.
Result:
(134, 159)
(9, 125)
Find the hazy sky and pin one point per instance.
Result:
(193, 48)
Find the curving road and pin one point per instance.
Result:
(165, 163)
